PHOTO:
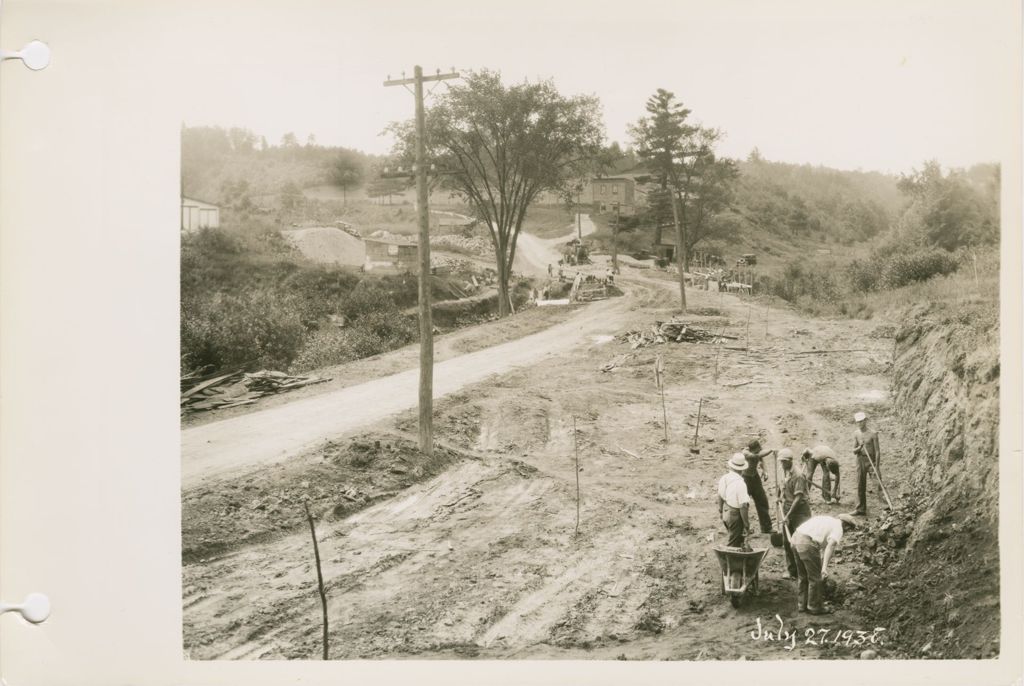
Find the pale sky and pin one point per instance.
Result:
(848, 84)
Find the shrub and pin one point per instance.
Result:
(233, 331)
(864, 275)
(372, 334)
(908, 267)
(806, 281)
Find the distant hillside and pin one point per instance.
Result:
(789, 201)
(236, 168)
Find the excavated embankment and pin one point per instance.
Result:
(935, 562)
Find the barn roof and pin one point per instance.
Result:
(189, 199)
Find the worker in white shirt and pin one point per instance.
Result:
(734, 501)
(814, 541)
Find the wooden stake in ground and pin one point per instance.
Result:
(748, 327)
(719, 352)
(767, 311)
(659, 379)
(696, 431)
(576, 446)
(319, 573)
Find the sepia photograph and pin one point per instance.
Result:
(583, 331)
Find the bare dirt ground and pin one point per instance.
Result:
(475, 556)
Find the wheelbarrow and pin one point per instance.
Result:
(739, 571)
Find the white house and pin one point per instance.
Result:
(196, 214)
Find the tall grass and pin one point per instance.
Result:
(973, 283)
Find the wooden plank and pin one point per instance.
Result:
(206, 384)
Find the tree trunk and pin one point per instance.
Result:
(504, 267)
(503, 293)
(680, 250)
(657, 220)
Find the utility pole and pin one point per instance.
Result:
(426, 398)
(579, 217)
(615, 241)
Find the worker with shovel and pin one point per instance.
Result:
(795, 506)
(868, 452)
(753, 476)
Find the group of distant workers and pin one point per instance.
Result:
(809, 540)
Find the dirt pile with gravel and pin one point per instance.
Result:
(930, 571)
(328, 245)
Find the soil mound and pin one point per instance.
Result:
(328, 245)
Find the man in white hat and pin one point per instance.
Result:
(814, 541)
(795, 505)
(865, 445)
(734, 501)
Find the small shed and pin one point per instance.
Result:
(391, 254)
(198, 214)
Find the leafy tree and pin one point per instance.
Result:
(289, 140)
(291, 196)
(659, 140)
(681, 155)
(385, 188)
(501, 146)
(948, 210)
(347, 171)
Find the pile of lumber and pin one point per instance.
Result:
(240, 388)
(674, 331)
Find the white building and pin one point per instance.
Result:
(196, 214)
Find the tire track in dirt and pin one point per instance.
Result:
(481, 560)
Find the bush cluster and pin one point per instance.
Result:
(370, 334)
(898, 266)
(231, 331)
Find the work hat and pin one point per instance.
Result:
(754, 446)
(738, 462)
(786, 455)
(859, 417)
(848, 519)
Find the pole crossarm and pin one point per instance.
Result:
(412, 81)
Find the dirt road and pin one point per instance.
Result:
(534, 254)
(482, 561)
(280, 432)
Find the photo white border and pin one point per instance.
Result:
(89, 435)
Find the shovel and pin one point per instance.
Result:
(779, 539)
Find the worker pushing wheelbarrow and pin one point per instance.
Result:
(739, 562)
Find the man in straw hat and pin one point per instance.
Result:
(734, 501)
(865, 447)
(795, 505)
(814, 541)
